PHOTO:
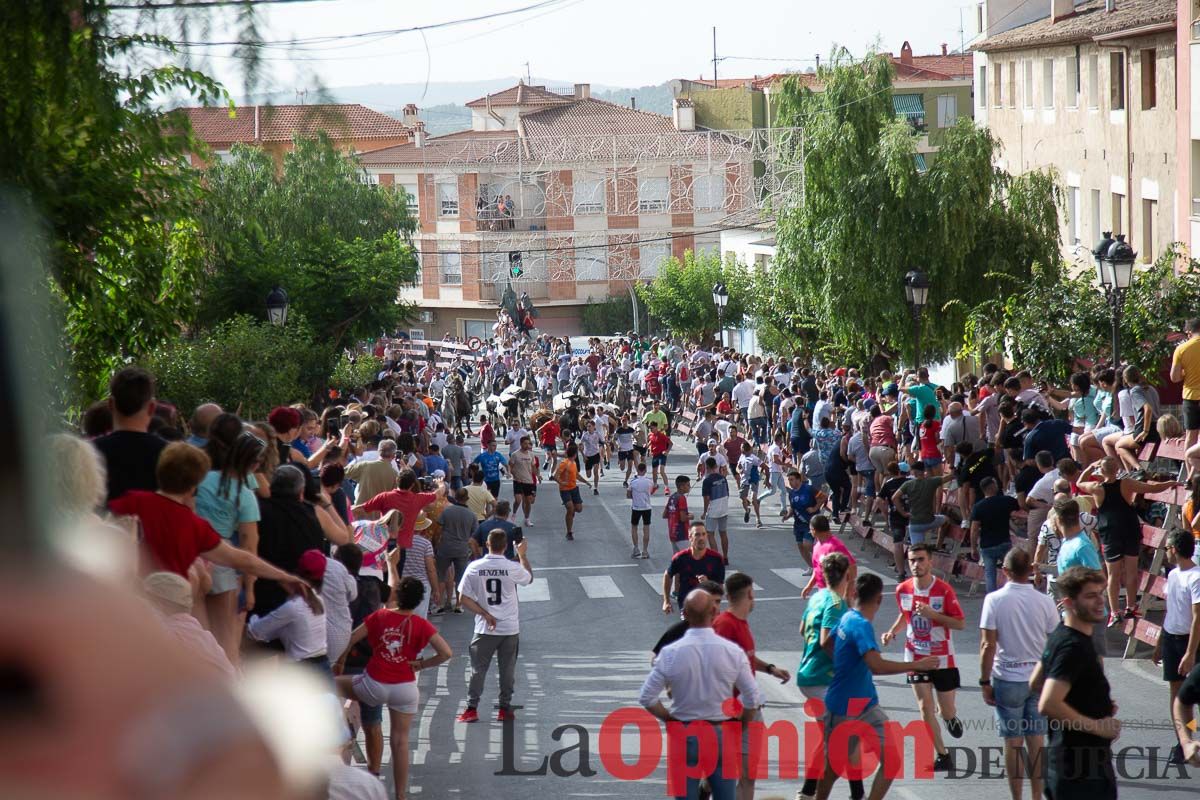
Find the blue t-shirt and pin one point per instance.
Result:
(824, 610)
(225, 511)
(852, 681)
(298, 444)
(487, 526)
(436, 462)
(491, 463)
(1078, 551)
(801, 499)
(1049, 434)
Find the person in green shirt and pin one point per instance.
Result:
(921, 393)
(655, 414)
(817, 628)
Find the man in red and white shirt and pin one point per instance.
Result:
(929, 607)
(734, 625)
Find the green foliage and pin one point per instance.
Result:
(1054, 322)
(349, 376)
(609, 316)
(85, 145)
(867, 217)
(245, 365)
(680, 297)
(338, 246)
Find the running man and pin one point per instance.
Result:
(639, 494)
(548, 436)
(627, 457)
(749, 470)
(689, 567)
(802, 504)
(659, 444)
(523, 466)
(715, 493)
(590, 445)
(929, 607)
(566, 475)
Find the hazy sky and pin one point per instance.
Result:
(603, 42)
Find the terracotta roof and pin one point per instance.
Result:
(520, 95)
(1089, 20)
(955, 65)
(281, 123)
(591, 117)
(467, 146)
(808, 79)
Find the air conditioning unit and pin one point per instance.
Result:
(426, 317)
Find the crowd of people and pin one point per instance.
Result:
(331, 537)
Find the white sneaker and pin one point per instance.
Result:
(528, 524)
(806, 571)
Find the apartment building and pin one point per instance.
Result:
(1087, 88)
(585, 196)
(1188, 125)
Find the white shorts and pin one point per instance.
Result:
(402, 697)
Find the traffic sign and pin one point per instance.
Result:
(474, 343)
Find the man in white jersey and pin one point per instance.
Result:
(639, 493)
(514, 436)
(489, 588)
(627, 456)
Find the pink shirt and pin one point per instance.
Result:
(830, 545)
(199, 643)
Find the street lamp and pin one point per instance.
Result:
(916, 292)
(1114, 271)
(277, 307)
(720, 298)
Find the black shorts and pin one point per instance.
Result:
(624, 455)
(1118, 546)
(591, 461)
(642, 516)
(943, 680)
(1174, 648)
(640, 448)
(529, 489)
(899, 533)
(1191, 415)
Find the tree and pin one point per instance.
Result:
(88, 150)
(337, 245)
(681, 297)
(867, 217)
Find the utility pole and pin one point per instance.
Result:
(714, 56)
(528, 78)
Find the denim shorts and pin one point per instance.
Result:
(1017, 710)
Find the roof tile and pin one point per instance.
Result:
(520, 95)
(281, 123)
(1089, 20)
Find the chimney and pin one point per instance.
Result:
(256, 126)
(684, 114)
(1110, 5)
(1061, 9)
(633, 102)
(906, 53)
(410, 117)
(944, 52)
(583, 91)
(419, 134)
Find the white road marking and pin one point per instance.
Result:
(423, 731)
(793, 575)
(655, 580)
(535, 592)
(600, 586)
(590, 566)
(443, 675)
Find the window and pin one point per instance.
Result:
(591, 264)
(653, 194)
(983, 86)
(368, 179)
(451, 267)
(998, 87)
(1073, 80)
(1012, 84)
(1096, 229)
(1149, 211)
(1094, 82)
(1073, 215)
(414, 205)
(1047, 83)
(947, 110)
(1118, 212)
(653, 254)
(1027, 96)
(447, 193)
(1149, 80)
(224, 156)
(589, 196)
(708, 191)
(1116, 81)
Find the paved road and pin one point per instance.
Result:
(587, 624)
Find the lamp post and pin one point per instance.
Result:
(916, 292)
(720, 298)
(1114, 270)
(277, 307)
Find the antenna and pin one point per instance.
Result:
(528, 79)
(302, 95)
(714, 56)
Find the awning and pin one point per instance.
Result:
(908, 105)
(921, 165)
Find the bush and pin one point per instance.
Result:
(244, 365)
(349, 375)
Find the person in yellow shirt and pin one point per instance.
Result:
(1185, 367)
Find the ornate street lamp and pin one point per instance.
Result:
(1114, 272)
(277, 307)
(720, 299)
(916, 292)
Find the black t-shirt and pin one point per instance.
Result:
(896, 520)
(130, 458)
(1070, 656)
(672, 635)
(976, 467)
(1026, 478)
(1012, 434)
(993, 515)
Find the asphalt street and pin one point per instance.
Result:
(591, 616)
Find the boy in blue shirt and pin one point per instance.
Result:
(851, 695)
(491, 462)
(803, 502)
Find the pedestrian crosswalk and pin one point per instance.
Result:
(607, 586)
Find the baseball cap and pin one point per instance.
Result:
(312, 565)
(713, 441)
(904, 466)
(439, 473)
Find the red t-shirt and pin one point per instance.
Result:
(548, 434)
(486, 434)
(724, 407)
(733, 449)
(395, 640)
(408, 504)
(925, 637)
(676, 512)
(652, 382)
(737, 631)
(172, 534)
(931, 439)
(592, 361)
(659, 443)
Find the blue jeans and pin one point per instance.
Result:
(992, 558)
(758, 429)
(918, 530)
(1016, 709)
(722, 788)
(779, 483)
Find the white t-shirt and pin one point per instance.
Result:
(722, 426)
(1183, 591)
(1044, 488)
(639, 492)
(722, 461)
(492, 582)
(1022, 617)
(775, 458)
(513, 438)
(625, 436)
(302, 632)
(589, 443)
(743, 392)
